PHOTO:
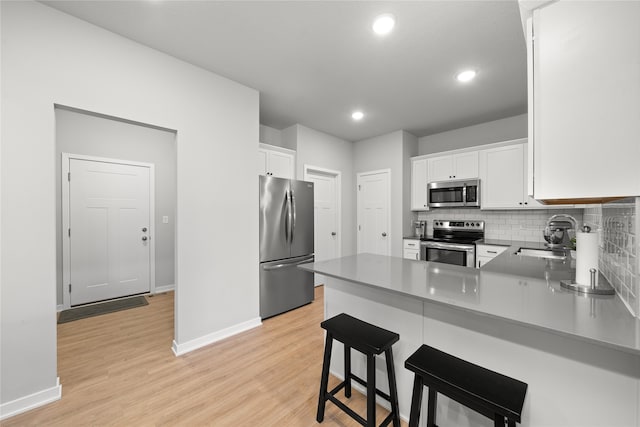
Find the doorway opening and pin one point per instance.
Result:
(122, 243)
(327, 214)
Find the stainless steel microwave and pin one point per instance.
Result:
(450, 194)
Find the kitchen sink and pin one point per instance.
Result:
(542, 253)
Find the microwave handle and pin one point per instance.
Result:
(464, 194)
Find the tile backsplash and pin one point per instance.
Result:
(618, 261)
(522, 225)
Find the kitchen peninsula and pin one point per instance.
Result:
(580, 355)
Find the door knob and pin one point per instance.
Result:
(144, 229)
(384, 234)
(333, 233)
(144, 238)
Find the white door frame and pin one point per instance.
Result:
(309, 169)
(359, 210)
(66, 258)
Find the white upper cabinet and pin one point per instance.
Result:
(584, 99)
(453, 166)
(278, 162)
(503, 172)
(503, 178)
(419, 185)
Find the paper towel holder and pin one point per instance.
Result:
(597, 287)
(602, 288)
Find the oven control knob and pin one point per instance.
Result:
(467, 224)
(477, 224)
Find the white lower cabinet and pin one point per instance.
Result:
(485, 253)
(411, 249)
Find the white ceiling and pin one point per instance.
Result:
(314, 62)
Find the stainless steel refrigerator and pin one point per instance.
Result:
(286, 240)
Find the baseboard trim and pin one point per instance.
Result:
(32, 401)
(59, 307)
(165, 288)
(180, 349)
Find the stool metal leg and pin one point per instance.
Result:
(431, 410)
(324, 381)
(416, 401)
(347, 371)
(371, 390)
(393, 389)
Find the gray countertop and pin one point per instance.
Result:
(524, 290)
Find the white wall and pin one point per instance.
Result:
(49, 57)
(87, 134)
(322, 150)
(273, 136)
(484, 133)
(390, 151)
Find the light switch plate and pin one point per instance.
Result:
(165, 219)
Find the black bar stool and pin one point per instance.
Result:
(371, 341)
(487, 392)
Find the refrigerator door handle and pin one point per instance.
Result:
(287, 218)
(292, 263)
(293, 220)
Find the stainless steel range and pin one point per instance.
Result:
(453, 242)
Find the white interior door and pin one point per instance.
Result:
(326, 210)
(373, 212)
(109, 230)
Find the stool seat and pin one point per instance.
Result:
(363, 336)
(370, 340)
(490, 393)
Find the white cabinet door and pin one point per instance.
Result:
(465, 165)
(440, 168)
(411, 254)
(281, 164)
(584, 60)
(419, 179)
(502, 177)
(453, 166)
(482, 260)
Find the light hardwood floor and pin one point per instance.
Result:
(118, 369)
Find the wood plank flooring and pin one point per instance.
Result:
(118, 369)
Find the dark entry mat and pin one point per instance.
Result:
(101, 308)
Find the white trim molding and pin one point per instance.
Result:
(165, 288)
(180, 349)
(32, 401)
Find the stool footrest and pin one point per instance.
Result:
(346, 409)
(340, 386)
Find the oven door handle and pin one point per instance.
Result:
(449, 246)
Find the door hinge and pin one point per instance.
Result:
(68, 176)
(359, 228)
(359, 187)
(69, 233)
(69, 287)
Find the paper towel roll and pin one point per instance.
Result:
(586, 256)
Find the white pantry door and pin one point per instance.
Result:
(109, 230)
(326, 222)
(373, 212)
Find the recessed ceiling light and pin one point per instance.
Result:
(466, 76)
(357, 115)
(383, 24)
